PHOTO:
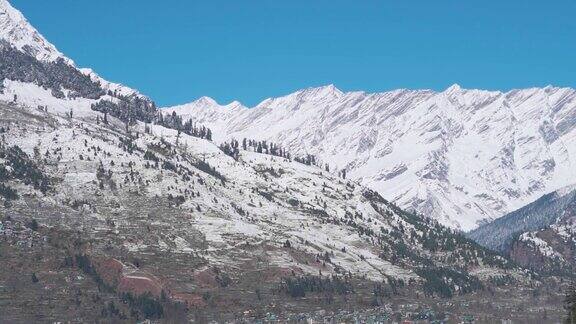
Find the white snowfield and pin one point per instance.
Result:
(461, 156)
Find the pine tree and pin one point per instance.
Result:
(33, 225)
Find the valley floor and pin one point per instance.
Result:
(38, 284)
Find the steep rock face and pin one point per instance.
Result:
(461, 156)
(551, 249)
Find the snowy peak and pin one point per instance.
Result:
(30, 76)
(204, 104)
(322, 92)
(206, 101)
(16, 30)
(454, 88)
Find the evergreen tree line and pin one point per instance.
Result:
(21, 168)
(300, 286)
(8, 192)
(232, 148)
(58, 75)
(134, 108)
(146, 304)
(187, 127)
(443, 282)
(128, 109)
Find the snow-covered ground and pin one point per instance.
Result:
(331, 223)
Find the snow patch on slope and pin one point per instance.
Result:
(16, 30)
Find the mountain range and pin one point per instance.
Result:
(463, 157)
(112, 209)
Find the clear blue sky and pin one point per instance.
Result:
(178, 50)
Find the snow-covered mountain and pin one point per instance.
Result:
(15, 29)
(163, 213)
(461, 156)
(549, 250)
(112, 211)
(36, 81)
(156, 211)
(46, 103)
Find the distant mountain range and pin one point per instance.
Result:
(464, 157)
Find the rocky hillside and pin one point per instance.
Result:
(540, 235)
(547, 210)
(462, 156)
(551, 249)
(178, 217)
